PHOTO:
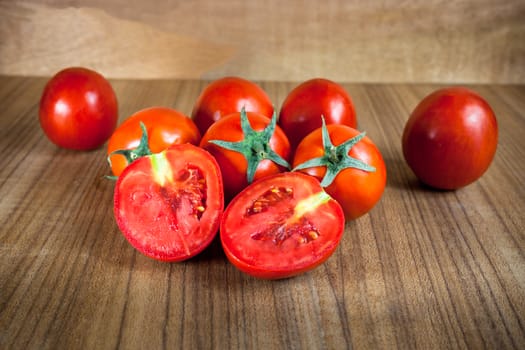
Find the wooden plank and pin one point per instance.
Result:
(423, 269)
(476, 41)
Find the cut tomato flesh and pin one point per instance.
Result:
(281, 226)
(163, 206)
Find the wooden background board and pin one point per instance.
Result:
(424, 269)
(476, 41)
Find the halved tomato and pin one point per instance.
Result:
(281, 226)
(168, 205)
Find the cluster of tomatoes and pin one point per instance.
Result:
(277, 186)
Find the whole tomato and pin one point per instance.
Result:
(78, 109)
(304, 106)
(164, 127)
(247, 146)
(450, 138)
(226, 96)
(348, 164)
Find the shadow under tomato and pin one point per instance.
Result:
(401, 177)
(212, 252)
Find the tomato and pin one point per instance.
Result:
(165, 127)
(247, 146)
(302, 109)
(226, 96)
(168, 205)
(450, 139)
(78, 109)
(281, 226)
(348, 164)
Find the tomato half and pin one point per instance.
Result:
(352, 160)
(226, 96)
(304, 106)
(78, 109)
(450, 139)
(255, 147)
(168, 205)
(164, 126)
(281, 226)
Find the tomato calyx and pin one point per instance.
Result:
(336, 158)
(255, 146)
(133, 154)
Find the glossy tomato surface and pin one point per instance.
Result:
(358, 191)
(233, 164)
(228, 95)
(78, 109)
(168, 205)
(281, 226)
(450, 139)
(304, 106)
(164, 126)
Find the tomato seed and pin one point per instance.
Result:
(313, 235)
(279, 231)
(268, 199)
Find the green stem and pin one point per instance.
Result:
(335, 158)
(132, 155)
(255, 145)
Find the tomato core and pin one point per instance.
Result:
(291, 222)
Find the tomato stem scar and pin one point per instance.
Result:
(162, 172)
(310, 203)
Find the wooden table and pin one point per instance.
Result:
(424, 269)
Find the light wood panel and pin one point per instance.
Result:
(347, 41)
(424, 269)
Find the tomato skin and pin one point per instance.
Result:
(450, 139)
(165, 127)
(226, 96)
(158, 200)
(302, 109)
(233, 164)
(357, 191)
(78, 109)
(260, 250)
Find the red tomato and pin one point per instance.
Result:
(168, 205)
(257, 149)
(354, 163)
(226, 96)
(165, 127)
(78, 109)
(302, 109)
(281, 226)
(450, 138)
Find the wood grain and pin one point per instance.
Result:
(476, 41)
(424, 269)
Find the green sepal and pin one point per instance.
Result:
(133, 154)
(336, 158)
(255, 146)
